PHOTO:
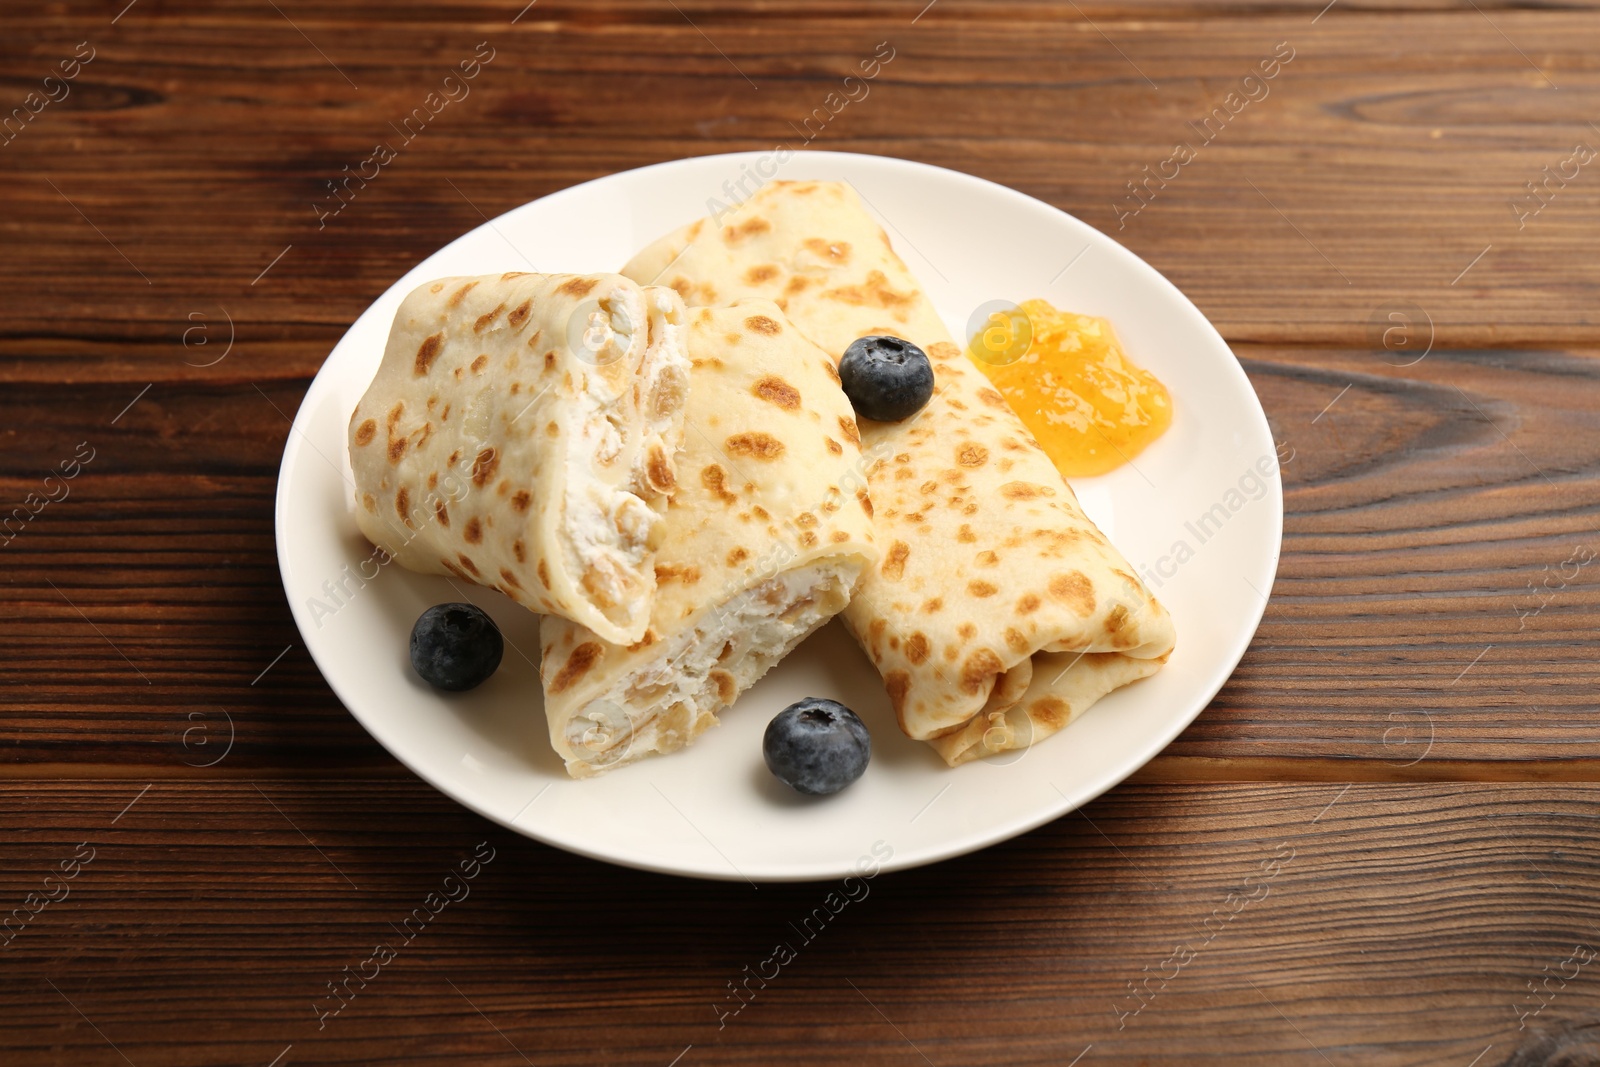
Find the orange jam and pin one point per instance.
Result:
(1066, 377)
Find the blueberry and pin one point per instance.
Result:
(886, 379)
(816, 746)
(455, 646)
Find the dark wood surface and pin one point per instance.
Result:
(1420, 916)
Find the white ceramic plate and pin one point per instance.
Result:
(713, 811)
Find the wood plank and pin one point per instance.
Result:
(197, 147)
(1421, 505)
(1260, 925)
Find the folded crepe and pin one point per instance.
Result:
(521, 434)
(764, 540)
(998, 612)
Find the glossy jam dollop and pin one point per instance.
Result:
(1089, 407)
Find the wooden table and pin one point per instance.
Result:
(1378, 845)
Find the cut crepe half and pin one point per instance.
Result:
(763, 542)
(998, 612)
(521, 434)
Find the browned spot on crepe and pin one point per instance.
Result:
(519, 551)
(827, 365)
(1025, 491)
(775, 390)
(1028, 604)
(755, 444)
(972, 455)
(484, 466)
(509, 578)
(544, 574)
(467, 563)
(1051, 711)
(1074, 589)
(481, 362)
(762, 273)
(508, 275)
(473, 531)
(737, 556)
(578, 287)
(977, 668)
(838, 536)
(874, 292)
(762, 324)
(837, 251)
(866, 501)
(688, 574)
(992, 398)
(487, 317)
(520, 313)
(967, 631)
(441, 513)
(917, 648)
(982, 589)
(427, 352)
(583, 657)
(966, 536)
(521, 499)
(932, 605)
(402, 504)
(660, 469)
(366, 432)
(1115, 618)
(457, 296)
(987, 558)
(714, 478)
(898, 684)
(834, 446)
(847, 425)
(894, 563)
(1015, 640)
(747, 228)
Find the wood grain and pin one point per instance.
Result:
(1400, 925)
(196, 147)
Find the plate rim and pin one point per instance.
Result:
(964, 844)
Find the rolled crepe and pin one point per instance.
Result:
(521, 434)
(998, 612)
(763, 542)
